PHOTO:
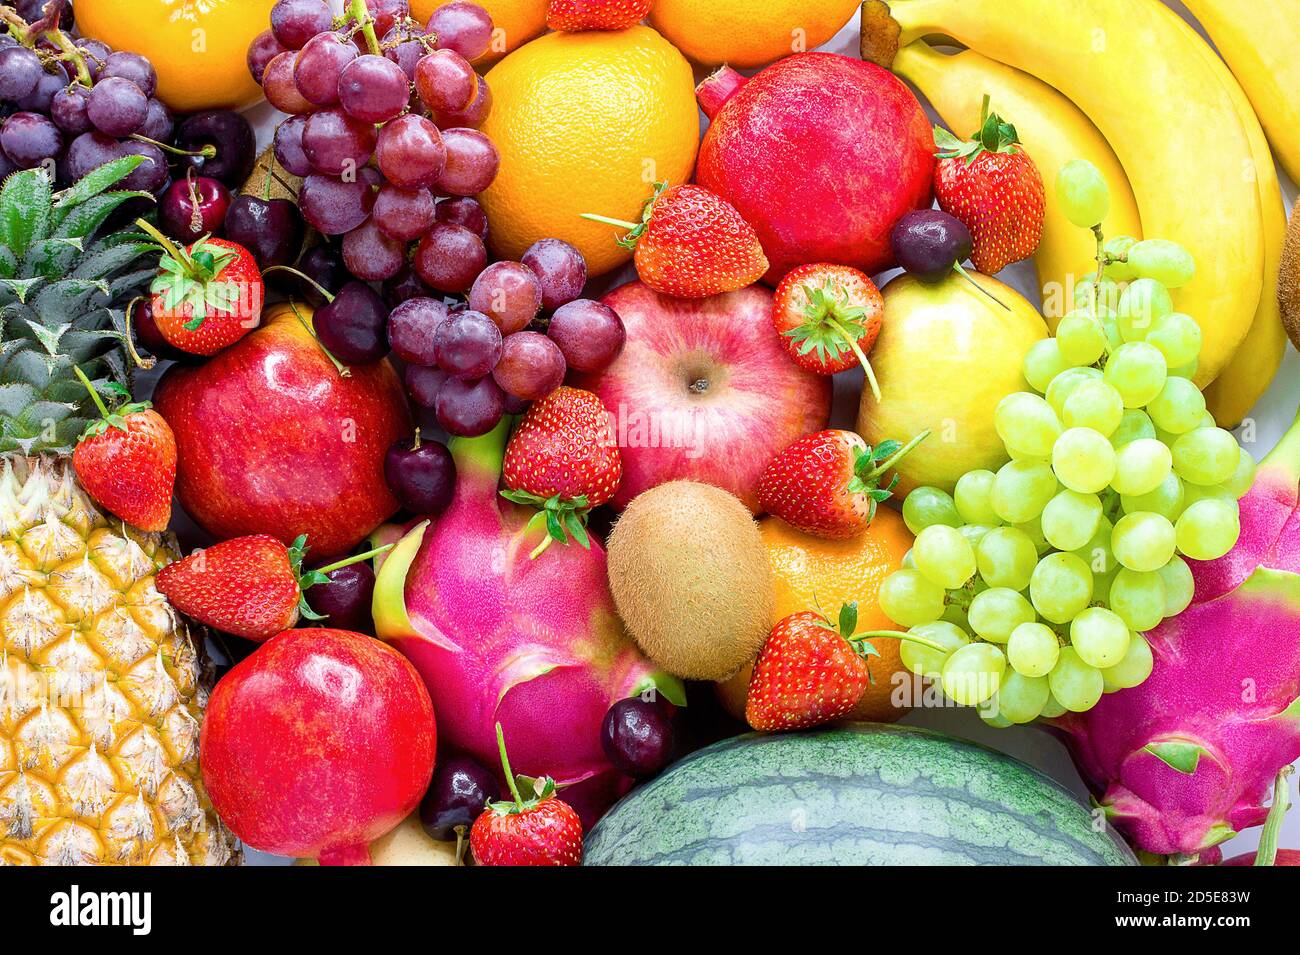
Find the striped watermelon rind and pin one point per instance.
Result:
(856, 794)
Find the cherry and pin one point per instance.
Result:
(637, 737)
(460, 789)
(421, 474)
(354, 325)
(272, 229)
(323, 264)
(344, 600)
(224, 142)
(194, 207)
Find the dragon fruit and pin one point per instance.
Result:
(534, 644)
(1187, 759)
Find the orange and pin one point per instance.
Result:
(514, 22)
(742, 33)
(586, 122)
(811, 574)
(198, 47)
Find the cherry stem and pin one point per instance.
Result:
(349, 561)
(505, 765)
(606, 220)
(94, 395)
(358, 11)
(415, 445)
(306, 278)
(341, 368)
(140, 362)
(857, 350)
(898, 455)
(980, 288)
(207, 152)
(1266, 854)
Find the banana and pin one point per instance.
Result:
(1053, 132)
(1163, 109)
(1259, 38)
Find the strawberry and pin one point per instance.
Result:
(808, 672)
(564, 460)
(207, 295)
(250, 586)
(540, 830)
(126, 461)
(829, 317)
(828, 484)
(991, 185)
(575, 16)
(692, 243)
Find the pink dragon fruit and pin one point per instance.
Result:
(1186, 760)
(533, 644)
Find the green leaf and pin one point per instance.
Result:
(555, 527)
(24, 210)
(886, 449)
(8, 263)
(82, 221)
(111, 261)
(21, 287)
(573, 522)
(1182, 756)
(98, 180)
(849, 619)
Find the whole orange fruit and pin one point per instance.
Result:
(742, 33)
(815, 574)
(198, 47)
(514, 22)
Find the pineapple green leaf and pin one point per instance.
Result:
(68, 297)
(21, 287)
(98, 181)
(51, 258)
(49, 336)
(84, 220)
(8, 263)
(24, 210)
(111, 261)
(14, 397)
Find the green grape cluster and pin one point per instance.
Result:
(1031, 586)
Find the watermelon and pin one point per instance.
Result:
(855, 794)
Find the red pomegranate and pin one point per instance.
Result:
(822, 154)
(317, 744)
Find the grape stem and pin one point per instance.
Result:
(48, 28)
(358, 11)
(338, 365)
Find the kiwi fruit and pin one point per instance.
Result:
(1288, 280)
(691, 579)
(282, 184)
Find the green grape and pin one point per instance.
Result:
(1060, 587)
(1081, 339)
(1133, 669)
(974, 533)
(1141, 466)
(1208, 529)
(1192, 493)
(1021, 698)
(1166, 262)
(1107, 290)
(1076, 685)
(974, 498)
(1052, 708)
(1006, 558)
(1165, 500)
(1096, 405)
(1178, 337)
(1099, 636)
(1187, 371)
(1133, 425)
(1063, 385)
(1033, 649)
(1026, 422)
(1138, 598)
(1117, 248)
(927, 661)
(943, 555)
(1143, 304)
(1021, 489)
(1070, 519)
(1180, 586)
(926, 506)
(1143, 542)
(1110, 322)
(1206, 456)
(1034, 530)
(1042, 363)
(1097, 553)
(1243, 477)
(1084, 195)
(973, 673)
(1083, 460)
(995, 720)
(1178, 408)
(1137, 371)
(997, 611)
(909, 598)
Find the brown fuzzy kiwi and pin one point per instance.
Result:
(691, 579)
(1288, 280)
(283, 185)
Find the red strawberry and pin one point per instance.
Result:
(126, 461)
(829, 483)
(539, 830)
(250, 586)
(207, 296)
(692, 243)
(808, 672)
(991, 185)
(563, 459)
(574, 16)
(829, 317)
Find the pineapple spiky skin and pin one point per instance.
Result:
(102, 688)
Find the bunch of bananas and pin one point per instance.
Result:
(1131, 87)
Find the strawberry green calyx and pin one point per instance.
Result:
(993, 136)
(116, 418)
(869, 468)
(634, 229)
(310, 578)
(190, 276)
(562, 517)
(846, 626)
(543, 788)
(832, 323)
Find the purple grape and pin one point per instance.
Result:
(473, 115)
(48, 86)
(463, 27)
(264, 48)
(471, 165)
(387, 13)
(30, 139)
(345, 599)
(468, 409)
(117, 107)
(321, 263)
(271, 229)
(928, 243)
(460, 789)
(421, 474)
(444, 80)
(464, 211)
(404, 214)
(353, 326)
(402, 46)
(637, 737)
(467, 345)
(334, 207)
(320, 64)
(158, 124)
(193, 208)
(281, 89)
(230, 135)
(374, 89)
(89, 151)
(590, 334)
(531, 366)
(68, 110)
(151, 175)
(411, 153)
(336, 144)
(7, 166)
(294, 22)
(20, 71)
(561, 270)
(412, 329)
(509, 294)
(131, 67)
(95, 53)
(372, 256)
(288, 146)
(450, 258)
(423, 384)
(33, 10)
(403, 287)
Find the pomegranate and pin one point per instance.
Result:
(317, 744)
(822, 154)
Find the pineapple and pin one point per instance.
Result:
(102, 687)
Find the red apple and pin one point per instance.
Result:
(704, 390)
(317, 744)
(272, 439)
